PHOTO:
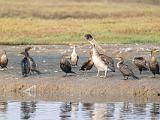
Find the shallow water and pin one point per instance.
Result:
(44, 110)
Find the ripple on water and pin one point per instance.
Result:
(44, 110)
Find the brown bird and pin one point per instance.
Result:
(153, 64)
(88, 64)
(140, 63)
(33, 65)
(65, 65)
(125, 69)
(74, 57)
(3, 60)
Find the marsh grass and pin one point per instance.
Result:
(65, 22)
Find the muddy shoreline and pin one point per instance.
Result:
(51, 85)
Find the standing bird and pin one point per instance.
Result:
(88, 64)
(125, 69)
(140, 63)
(65, 65)
(153, 64)
(25, 65)
(74, 57)
(33, 65)
(102, 62)
(3, 60)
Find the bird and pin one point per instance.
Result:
(140, 63)
(65, 65)
(88, 64)
(33, 65)
(125, 69)
(153, 64)
(3, 60)
(74, 57)
(25, 65)
(102, 62)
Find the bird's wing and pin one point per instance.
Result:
(141, 62)
(126, 69)
(106, 59)
(68, 65)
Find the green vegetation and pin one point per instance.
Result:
(65, 22)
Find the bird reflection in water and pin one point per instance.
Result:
(27, 108)
(3, 106)
(65, 109)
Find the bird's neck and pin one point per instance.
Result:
(95, 52)
(153, 59)
(119, 63)
(74, 50)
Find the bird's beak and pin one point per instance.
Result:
(19, 54)
(157, 51)
(30, 48)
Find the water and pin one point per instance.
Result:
(78, 111)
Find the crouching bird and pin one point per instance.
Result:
(3, 60)
(140, 63)
(125, 69)
(88, 64)
(65, 65)
(102, 62)
(25, 65)
(33, 65)
(153, 64)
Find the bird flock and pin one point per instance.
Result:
(97, 58)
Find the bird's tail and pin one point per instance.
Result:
(73, 72)
(145, 68)
(111, 68)
(135, 77)
(37, 71)
(81, 69)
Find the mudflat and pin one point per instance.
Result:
(52, 85)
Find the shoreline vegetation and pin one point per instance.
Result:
(65, 22)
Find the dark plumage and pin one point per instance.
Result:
(25, 65)
(153, 64)
(140, 63)
(3, 60)
(87, 65)
(65, 65)
(125, 69)
(33, 65)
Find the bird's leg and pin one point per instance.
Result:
(85, 72)
(154, 76)
(140, 72)
(127, 78)
(98, 73)
(105, 73)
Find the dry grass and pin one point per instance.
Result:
(63, 22)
